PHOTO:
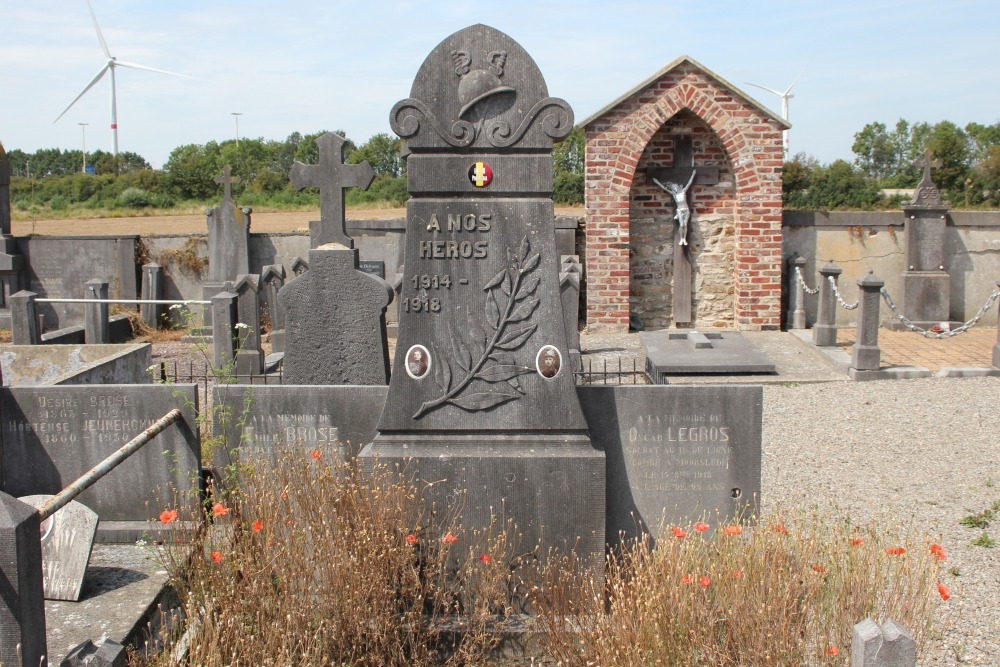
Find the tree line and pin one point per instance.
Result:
(883, 160)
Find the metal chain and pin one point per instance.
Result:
(802, 281)
(836, 293)
(926, 333)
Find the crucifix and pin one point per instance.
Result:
(677, 182)
(331, 176)
(226, 181)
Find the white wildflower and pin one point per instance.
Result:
(241, 325)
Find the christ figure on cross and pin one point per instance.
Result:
(683, 212)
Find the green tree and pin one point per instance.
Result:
(948, 143)
(382, 153)
(191, 170)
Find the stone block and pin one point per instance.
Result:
(67, 538)
(22, 611)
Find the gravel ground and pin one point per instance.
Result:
(922, 450)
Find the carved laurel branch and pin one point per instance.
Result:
(405, 120)
(557, 123)
(486, 356)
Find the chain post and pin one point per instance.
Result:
(866, 355)
(796, 293)
(996, 347)
(825, 329)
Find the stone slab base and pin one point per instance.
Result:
(891, 373)
(967, 372)
(551, 486)
(692, 352)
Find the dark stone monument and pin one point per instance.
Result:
(11, 262)
(22, 610)
(334, 313)
(926, 283)
(228, 241)
(676, 454)
(331, 176)
(249, 355)
(482, 398)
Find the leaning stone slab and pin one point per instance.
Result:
(53, 435)
(676, 453)
(67, 538)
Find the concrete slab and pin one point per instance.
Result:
(122, 590)
(697, 352)
(890, 373)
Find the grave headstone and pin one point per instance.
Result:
(11, 261)
(331, 176)
(926, 283)
(22, 606)
(300, 266)
(24, 319)
(249, 355)
(887, 646)
(700, 353)
(152, 290)
(335, 322)
(53, 435)
(482, 394)
(223, 331)
(228, 241)
(676, 454)
(67, 538)
(96, 327)
(273, 277)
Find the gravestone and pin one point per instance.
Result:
(926, 283)
(373, 267)
(228, 241)
(273, 277)
(249, 355)
(300, 266)
(11, 262)
(22, 610)
(676, 453)
(152, 290)
(53, 435)
(569, 294)
(887, 646)
(700, 353)
(67, 538)
(331, 176)
(482, 397)
(334, 313)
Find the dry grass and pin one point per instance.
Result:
(310, 562)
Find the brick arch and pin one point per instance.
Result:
(622, 134)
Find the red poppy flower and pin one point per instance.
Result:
(833, 650)
(486, 558)
(678, 533)
(219, 509)
(315, 454)
(938, 551)
(688, 579)
(411, 539)
(705, 581)
(944, 591)
(736, 574)
(734, 530)
(856, 541)
(895, 551)
(258, 526)
(780, 529)
(449, 538)
(818, 568)
(168, 516)
(701, 527)
(217, 556)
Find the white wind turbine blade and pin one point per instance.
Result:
(90, 85)
(789, 89)
(770, 90)
(100, 37)
(125, 63)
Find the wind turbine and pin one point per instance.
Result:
(785, 96)
(110, 66)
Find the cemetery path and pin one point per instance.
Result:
(273, 222)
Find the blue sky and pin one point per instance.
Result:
(307, 66)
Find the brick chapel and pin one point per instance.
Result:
(684, 126)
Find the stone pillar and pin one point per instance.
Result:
(273, 277)
(22, 613)
(223, 330)
(888, 646)
(825, 329)
(249, 355)
(796, 294)
(24, 318)
(97, 331)
(152, 288)
(996, 348)
(865, 355)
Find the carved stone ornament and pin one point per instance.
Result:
(927, 194)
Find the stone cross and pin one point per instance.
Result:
(926, 163)
(226, 181)
(331, 176)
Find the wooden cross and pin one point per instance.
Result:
(226, 181)
(680, 173)
(926, 163)
(331, 176)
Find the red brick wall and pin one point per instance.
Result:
(616, 142)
